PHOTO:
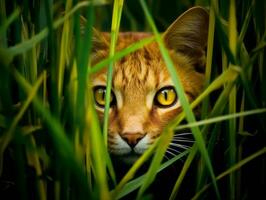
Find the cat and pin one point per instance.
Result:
(143, 97)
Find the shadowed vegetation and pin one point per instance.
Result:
(52, 145)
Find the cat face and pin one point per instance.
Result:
(143, 98)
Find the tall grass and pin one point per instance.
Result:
(52, 144)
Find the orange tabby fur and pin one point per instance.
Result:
(135, 122)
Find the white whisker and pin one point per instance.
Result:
(182, 140)
(177, 136)
(173, 150)
(170, 153)
(182, 134)
(166, 156)
(182, 146)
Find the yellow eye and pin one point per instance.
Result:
(100, 95)
(165, 97)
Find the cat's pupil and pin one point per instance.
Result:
(103, 95)
(165, 95)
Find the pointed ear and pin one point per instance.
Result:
(100, 41)
(188, 34)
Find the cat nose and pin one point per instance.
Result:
(132, 139)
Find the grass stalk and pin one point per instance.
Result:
(205, 103)
(117, 12)
(183, 172)
(232, 28)
(48, 121)
(189, 114)
(232, 169)
(7, 137)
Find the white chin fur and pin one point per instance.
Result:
(121, 147)
(142, 145)
(124, 152)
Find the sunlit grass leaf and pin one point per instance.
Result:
(189, 115)
(136, 183)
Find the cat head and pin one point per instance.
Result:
(143, 98)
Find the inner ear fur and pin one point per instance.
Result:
(188, 35)
(100, 40)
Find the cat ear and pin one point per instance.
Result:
(188, 34)
(100, 41)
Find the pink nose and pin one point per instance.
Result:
(132, 138)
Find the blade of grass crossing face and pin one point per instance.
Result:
(226, 77)
(221, 118)
(98, 152)
(117, 12)
(184, 102)
(120, 54)
(93, 129)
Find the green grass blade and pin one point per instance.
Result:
(136, 183)
(86, 115)
(9, 21)
(221, 118)
(33, 41)
(64, 50)
(227, 76)
(117, 11)
(163, 143)
(232, 28)
(232, 169)
(183, 172)
(99, 162)
(131, 172)
(205, 103)
(120, 54)
(189, 115)
(9, 134)
(58, 136)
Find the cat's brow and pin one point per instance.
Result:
(100, 79)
